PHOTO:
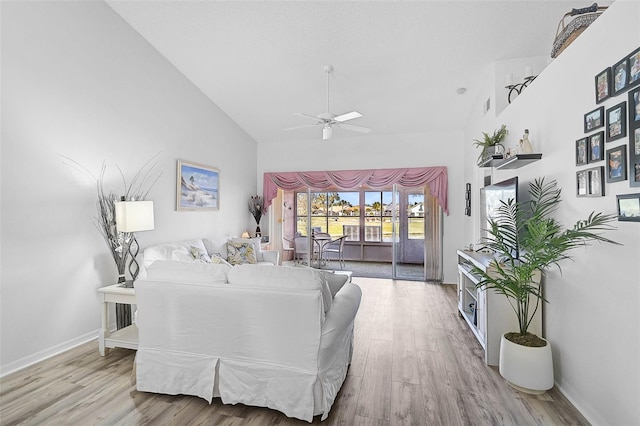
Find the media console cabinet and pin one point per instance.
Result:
(488, 314)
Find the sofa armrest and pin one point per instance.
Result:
(272, 256)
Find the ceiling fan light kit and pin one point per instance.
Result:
(327, 120)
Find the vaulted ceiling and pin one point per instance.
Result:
(398, 63)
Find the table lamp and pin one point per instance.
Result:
(131, 217)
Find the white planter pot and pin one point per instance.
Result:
(525, 368)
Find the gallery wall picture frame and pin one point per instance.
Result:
(197, 187)
(617, 164)
(617, 121)
(467, 198)
(594, 119)
(582, 183)
(581, 151)
(634, 108)
(628, 207)
(634, 157)
(633, 64)
(595, 148)
(595, 176)
(619, 77)
(603, 85)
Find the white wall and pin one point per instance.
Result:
(78, 81)
(382, 151)
(592, 319)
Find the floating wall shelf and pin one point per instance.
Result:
(517, 161)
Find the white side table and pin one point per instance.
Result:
(125, 337)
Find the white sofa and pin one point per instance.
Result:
(186, 251)
(270, 336)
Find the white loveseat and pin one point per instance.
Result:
(270, 336)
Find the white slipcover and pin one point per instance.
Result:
(268, 344)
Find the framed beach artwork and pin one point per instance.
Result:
(198, 187)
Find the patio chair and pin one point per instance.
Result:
(301, 250)
(335, 247)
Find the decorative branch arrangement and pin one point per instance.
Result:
(256, 207)
(105, 221)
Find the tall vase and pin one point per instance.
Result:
(123, 311)
(258, 232)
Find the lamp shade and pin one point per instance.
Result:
(134, 216)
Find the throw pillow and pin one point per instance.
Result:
(239, 253)
(199, 254)
(216, 258)
(335, 282)
(257, 246)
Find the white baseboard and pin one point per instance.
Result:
(576, 405)
(29, 360)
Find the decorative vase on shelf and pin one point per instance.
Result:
(258, 232)
(525, 145)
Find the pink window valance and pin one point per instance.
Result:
(344, 180)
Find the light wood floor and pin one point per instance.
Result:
(415, 363)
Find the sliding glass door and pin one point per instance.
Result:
(416, 238)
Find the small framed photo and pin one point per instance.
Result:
(633, 63)
(582, 183)
(634, 158)
(197, 187)
(595, 148)
(617, 121)
(594, 119)
(603, 85)
(617, 164)
(620, 75)
(628, 207)
(596, 181)
(581, 151)
(634, 108)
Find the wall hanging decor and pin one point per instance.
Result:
(617, 164)
(628, 207)
(197, 187)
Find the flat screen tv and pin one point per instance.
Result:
(490, 197)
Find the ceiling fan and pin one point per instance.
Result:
(327, 120)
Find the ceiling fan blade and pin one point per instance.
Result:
(348, 116)
(302, 127)
(302, 114)
(355, 128)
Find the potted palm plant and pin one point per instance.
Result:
(527, 241)
(491, 144)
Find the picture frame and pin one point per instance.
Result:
(581, 151)
(594, 119)
(595, 176)
(617, 121)
(197, 187)
(634, 157)
(603, 85)
(619, 77)
(628, 206)
(595, 148)
(617, 164)
(582, 183)
(633, 65)
(634, 108)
